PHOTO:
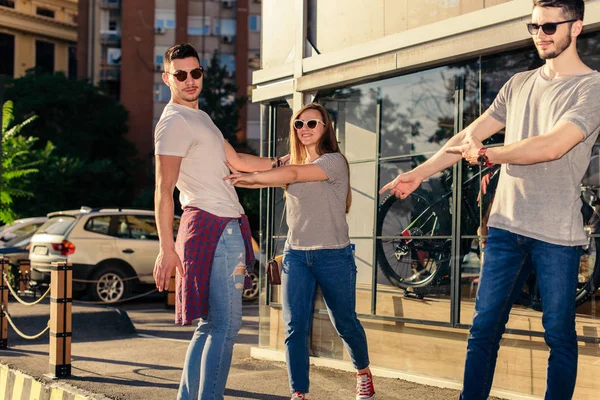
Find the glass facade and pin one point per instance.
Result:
(418, 259)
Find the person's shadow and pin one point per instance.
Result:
(249, 395)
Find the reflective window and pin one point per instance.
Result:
(199, 26)
(164, 19)
(227, 61)
(7, 49)
(141, 227)
(162, 93)
(44, 56)
(225, 27)
(99, 225)
(57, 225)
(254, 23)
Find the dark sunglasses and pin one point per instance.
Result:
(182, 75)
(311, 123)
(549, 28)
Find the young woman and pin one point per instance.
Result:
(317, 249)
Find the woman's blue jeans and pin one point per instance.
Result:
(208, 356)
(335, 272)
(509, 259)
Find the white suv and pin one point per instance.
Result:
(105, 247)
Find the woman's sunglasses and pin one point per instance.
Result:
(549, 28)
(181, 76)
(311, 123)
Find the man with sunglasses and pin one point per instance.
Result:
(213, 244)
(552, 120)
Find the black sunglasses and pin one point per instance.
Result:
(181, 76)
(311, 123)
(549, 28)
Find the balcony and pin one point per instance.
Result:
(110, 37)
(114, 4)
(110, 73)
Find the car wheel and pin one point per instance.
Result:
(109, 286)
(252, 293)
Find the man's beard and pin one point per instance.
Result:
(189, 97)
(560, 47)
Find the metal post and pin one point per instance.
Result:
(24, 275)
(3, 304)
(61, 301)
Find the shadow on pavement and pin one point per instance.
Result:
(249, 395)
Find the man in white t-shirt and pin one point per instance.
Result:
(213, 242)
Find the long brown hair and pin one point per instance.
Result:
(327, 143)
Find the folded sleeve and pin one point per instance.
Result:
(172, 137)
(585, 113)
(334, 165)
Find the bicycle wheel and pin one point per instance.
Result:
(589, 267)
(407, 261)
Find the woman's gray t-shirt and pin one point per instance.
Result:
(542, 201)
(316, 211)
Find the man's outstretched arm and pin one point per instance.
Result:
(548, 147)
(481, 129)
(247, 162)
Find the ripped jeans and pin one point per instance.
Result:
(209, 353)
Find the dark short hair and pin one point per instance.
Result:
(573, 9)
(180, 51)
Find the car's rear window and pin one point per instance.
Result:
(58, 225)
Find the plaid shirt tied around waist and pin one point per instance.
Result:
(197, 239)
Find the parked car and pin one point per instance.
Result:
(252, 292)
(105, 246)
(18, 232)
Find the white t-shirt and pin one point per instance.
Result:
(191, 134)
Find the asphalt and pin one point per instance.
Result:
(136, 352)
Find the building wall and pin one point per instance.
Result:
(27, 27)
(137, 77)
(393, 75)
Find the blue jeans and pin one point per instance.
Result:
(509, 259)
(335, 272)
(208, 356)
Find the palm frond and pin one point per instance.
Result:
(15, 130)
(7, 115)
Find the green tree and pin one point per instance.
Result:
(92, 164)
(19, 162)
(219, 99)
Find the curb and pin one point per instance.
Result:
(15, 385)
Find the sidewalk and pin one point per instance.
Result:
(112, 359)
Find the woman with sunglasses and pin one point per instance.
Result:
(317, 249)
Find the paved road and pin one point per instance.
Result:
(111, 358)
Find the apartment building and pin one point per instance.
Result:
(38, 34)
(122, 43)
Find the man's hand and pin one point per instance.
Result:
(163, 268)
(469, 150)
(240, 179)
(403, 185)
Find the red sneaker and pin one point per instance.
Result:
(364, 386)
(299, 396)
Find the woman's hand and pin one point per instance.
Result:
(241, 179)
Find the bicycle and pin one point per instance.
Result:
(415, 252)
